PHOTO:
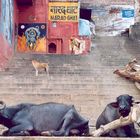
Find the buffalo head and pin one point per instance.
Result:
(2, 114)
(2, 105)
(124, 104)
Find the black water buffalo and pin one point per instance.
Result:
(114, 111)
(31, 120)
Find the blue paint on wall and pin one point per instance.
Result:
(6, 20)
(128, 13)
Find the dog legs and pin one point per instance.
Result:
(47, 71)
(36, 72)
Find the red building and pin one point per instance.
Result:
(41, 26)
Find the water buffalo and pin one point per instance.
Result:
(32, 120)
(114, 111)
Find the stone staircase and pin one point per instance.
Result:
(87, 81)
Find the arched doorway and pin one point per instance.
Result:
(52, 48)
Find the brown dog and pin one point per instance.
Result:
(38, 65)
(132, 65)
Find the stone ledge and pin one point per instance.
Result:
(65, 138)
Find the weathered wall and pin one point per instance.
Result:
(137, 11)
(111, 16)
(7, 30)
(134, 31)
(101, 2)
(33, 13)
(54, 23)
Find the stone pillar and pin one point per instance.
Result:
(137, 11)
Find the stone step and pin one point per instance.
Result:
(86, 81)
(59, 74)
(106, 92)
(88, 63)
(48, 57)
(97, 90)
(48, 97)
(67, 67)
(64, 71)
(48, 86)
(71, 60)
(45, 91)
(64, 138)
(62, 80)
(65, 81)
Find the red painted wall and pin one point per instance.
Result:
(33, 13)
(5, 52)
(59, 35)
(6, 49)
(64, 31)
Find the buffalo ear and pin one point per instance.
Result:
(132, 98)
(114, 104)
(2, 105)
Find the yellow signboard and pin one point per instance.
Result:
(64, 11)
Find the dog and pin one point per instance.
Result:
(39, 65)
(132, 65)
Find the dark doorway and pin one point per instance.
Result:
(85, 14)
(52, 48)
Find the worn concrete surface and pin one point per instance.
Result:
(87, 81)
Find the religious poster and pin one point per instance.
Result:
(64, 11)
(31, 37)
(77, 46)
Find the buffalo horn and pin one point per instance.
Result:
(2, 105)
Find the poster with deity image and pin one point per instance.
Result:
(31, 37)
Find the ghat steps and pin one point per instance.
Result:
(87, 81)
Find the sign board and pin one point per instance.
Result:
(64, 11)
(128, 13)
